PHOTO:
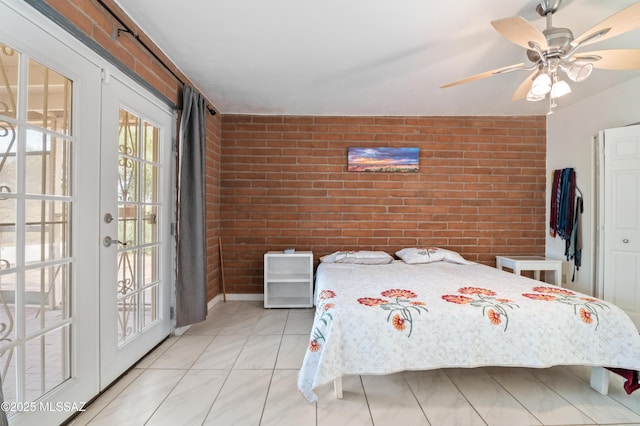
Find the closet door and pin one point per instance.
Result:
(622, 219)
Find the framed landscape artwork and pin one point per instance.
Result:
(383, 159)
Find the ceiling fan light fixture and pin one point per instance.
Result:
(541, 85)
(552, 52)
(560, 88)
(579, 71)
(531, 97)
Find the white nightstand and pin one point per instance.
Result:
(532, 263)
(288, 279)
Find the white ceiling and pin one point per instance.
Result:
(362, 57)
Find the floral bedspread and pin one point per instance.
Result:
(381, 319)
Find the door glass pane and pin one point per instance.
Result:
(129, 133)
(138, 206)
(46, 296)
(128, 224)
(7, 311)
(127, 179)
(150, 265)
(48, 164)
(127, 271)
(8, 156)
(47, 230)
(151, 137)
(127, 322)
(9, 60)
(9, 372)
(49, 99)
(150, 183)
(150, 305)
(8, 216)
(47, 365)
(36, 201)
(150, 223)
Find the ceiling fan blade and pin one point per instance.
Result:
(485, 75)
(626, 20)
(522, 90)
(615, 59)
(519, 31)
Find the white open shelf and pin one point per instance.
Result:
(288, 279)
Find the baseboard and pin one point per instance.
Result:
(218, 299)
(213, 302)
(258, 297)
(246, 296)
(180, 330)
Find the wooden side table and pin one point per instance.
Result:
(532, 263)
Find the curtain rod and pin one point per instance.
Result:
(127, 29)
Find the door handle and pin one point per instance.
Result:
(107, 241)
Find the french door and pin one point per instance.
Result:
(74, 313)
(49, 108)
(135, 259)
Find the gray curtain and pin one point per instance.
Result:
(191, 285)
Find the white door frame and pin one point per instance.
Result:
(599, 220)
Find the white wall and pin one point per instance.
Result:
(569, 144)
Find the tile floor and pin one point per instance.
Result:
(240, 367)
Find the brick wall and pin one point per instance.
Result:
(480, 189)
(97, 24)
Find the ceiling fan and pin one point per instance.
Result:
(553, 52)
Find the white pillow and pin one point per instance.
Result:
(430, 254)
(361, 257)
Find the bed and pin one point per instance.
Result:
(376, 319)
